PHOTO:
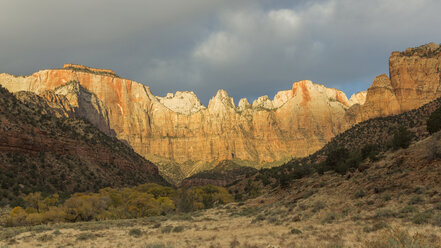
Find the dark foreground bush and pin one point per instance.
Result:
(434, 121)
(402, 138)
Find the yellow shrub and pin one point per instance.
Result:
(16, 217)
(34, 219)
(166, 204)
(30, 210)
(55, 214)
(142, 204)
(51, 200)
(81, 207)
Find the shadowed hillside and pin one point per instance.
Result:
(40, 152)
(379, 131)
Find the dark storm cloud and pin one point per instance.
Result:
(250, 48)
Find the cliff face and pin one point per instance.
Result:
(183, 137)
(415, 79)
(416, 76)
(178, 128)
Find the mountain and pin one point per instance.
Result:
(183, 137)
(367, 152)
(43, 150)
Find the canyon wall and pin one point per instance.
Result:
(183, 137)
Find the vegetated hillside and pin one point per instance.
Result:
(395, 202)
(400, 190)
(40, 152)
(225, 173)
(375, 134)
(378, 131)
(347, 152)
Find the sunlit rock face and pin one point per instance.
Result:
(415, 75)
(183, 137)
(358, 98)
(414, 80)
(184, 102)
(179, 128)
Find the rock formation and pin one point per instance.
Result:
(415, 75)
(184, 102)
(414, 80)
(183, 137)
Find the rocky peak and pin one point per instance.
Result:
(381, 81)
(221, 101)
(306, 91)
(85, 104)
(243, 104)
(337, 96)
(71, 91)
(263, 102)
(281, 98)
(184, 102)
(358, 98)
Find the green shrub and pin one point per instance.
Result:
(384, 213)
(360, 194)
(336, 156)
(387, 197)
(402, 138)
(340, 160)
(370, 151)
(86, 236)
(436, 220)
(329, 218)
(375, 227)
(422, 218)
(415, 200)
(178, 229)
(45, 238)
(135, 232)
(408, 209)
(318, 205)
(295, 231)
(166, 229)
(395, 238)
(156, 245)
(437, 206)
(434, 121)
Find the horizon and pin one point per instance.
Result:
(249, 48)
(205, 104)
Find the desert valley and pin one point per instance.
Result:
(90, 159)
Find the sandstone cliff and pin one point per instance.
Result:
(414, 80)
(183, 137)
(177, 131)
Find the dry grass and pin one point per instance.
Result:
(219, 228)
(400, 206)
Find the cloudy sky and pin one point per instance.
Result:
(248, 47)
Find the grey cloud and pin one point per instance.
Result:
(250, 48)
